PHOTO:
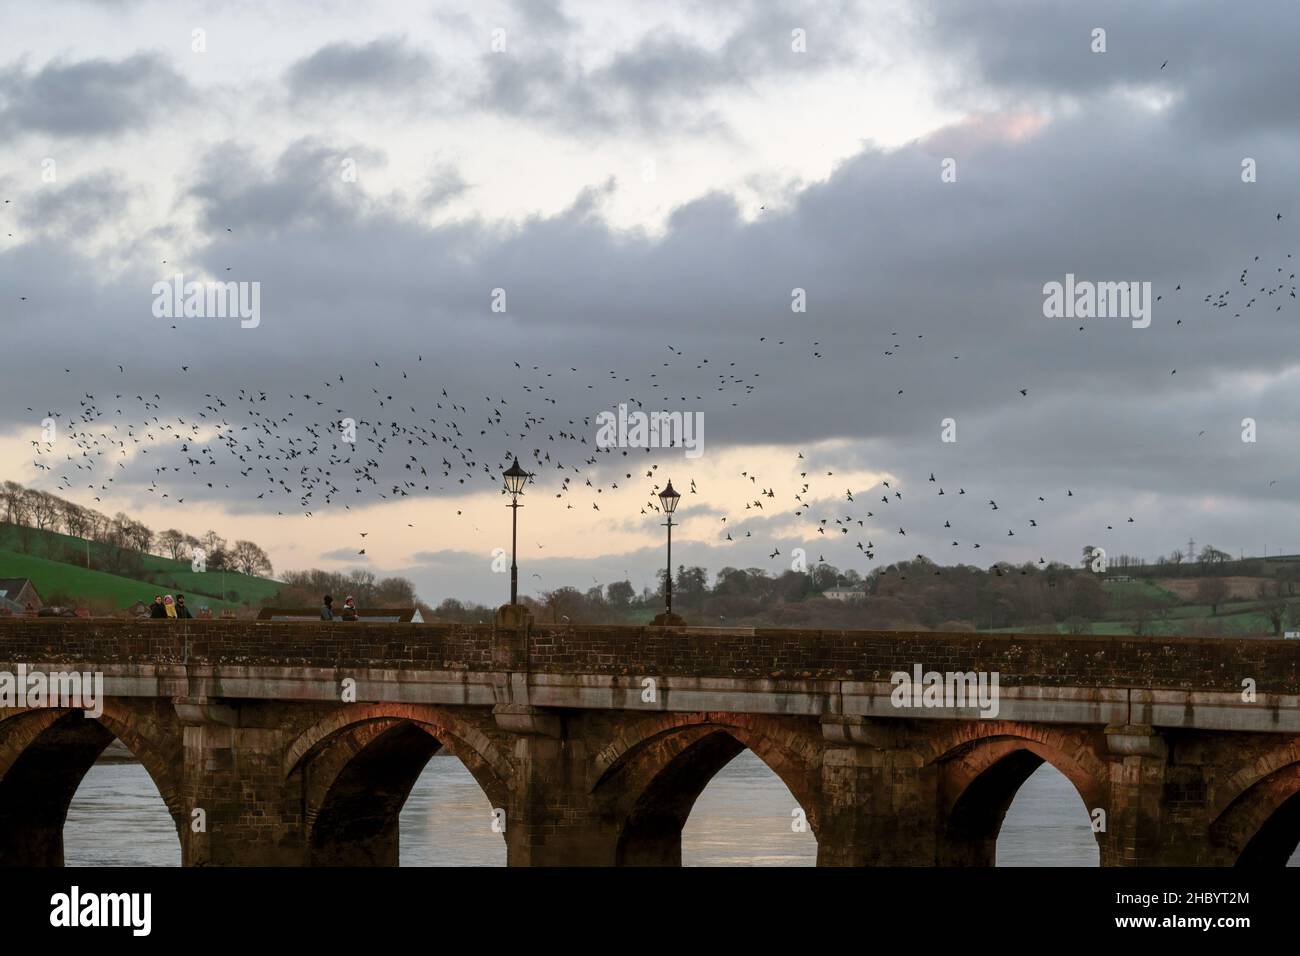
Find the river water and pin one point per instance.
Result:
(743, 818)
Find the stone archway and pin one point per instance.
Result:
(1261, 826)
(45, 754)
(983, 766)
(648, 779)
(356, 767)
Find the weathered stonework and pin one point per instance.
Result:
(300, 742)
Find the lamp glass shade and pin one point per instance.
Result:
(515, 478)
(668, 498)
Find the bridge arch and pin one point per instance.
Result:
(45, 754)
(648, 778)
(1264, 765)
(982, 767)
(1256, 820)
(356, 766)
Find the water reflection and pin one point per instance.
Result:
(742, 818)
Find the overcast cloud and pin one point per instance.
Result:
(634, 186)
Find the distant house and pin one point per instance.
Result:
(843, 594)
(19, 595)
(380, 615)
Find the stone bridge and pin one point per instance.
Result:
(297, 744)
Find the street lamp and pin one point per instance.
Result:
(515, 477)
(668, 498)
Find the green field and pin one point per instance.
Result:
(1166, 616)
(1128, 590)
(1239, 622)
(52, 576)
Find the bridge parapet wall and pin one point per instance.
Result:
(1183, 664)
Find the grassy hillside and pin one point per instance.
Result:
(1119, 591)
(56, 580)
(157, 574)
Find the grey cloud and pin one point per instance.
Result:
(81, 207)
(346, 554)
(544, 16)
(89, 98)
(1229, 66)
(1109, 190)
(305, 187)
(444, 184)
(663, 80)
(388, 65)
(1022, 213)
(540, 84)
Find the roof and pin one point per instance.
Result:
(373, 615)
(12, 587)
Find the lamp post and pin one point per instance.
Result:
(515, 478)
(668, 498)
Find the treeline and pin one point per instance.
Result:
(1188, 563)
(121, 540)
(307, 588)
(908, 595)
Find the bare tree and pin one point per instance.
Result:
(395, 592)
(141, 536)
(1212, 591)
(76, 519)
(247, 557)
(44, 509)
(562, 602)
(620, 593)
(361, 584)
(14, 497)
(1273, 596)
(1211, 555)
(130, 533)
(171, 541)
(97, 524)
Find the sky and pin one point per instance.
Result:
(822, 229)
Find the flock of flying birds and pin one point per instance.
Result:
(413, 440)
